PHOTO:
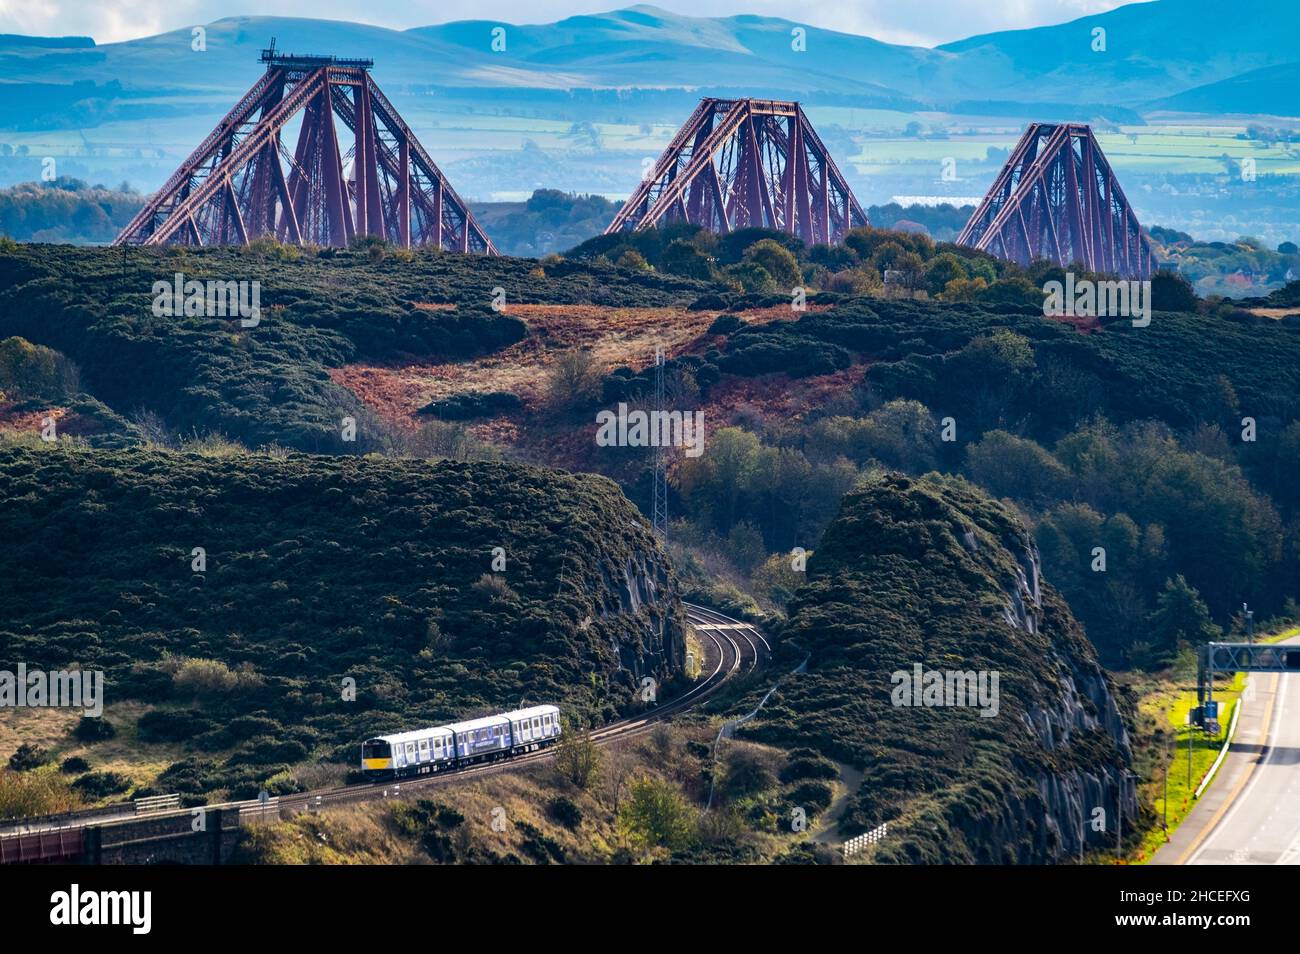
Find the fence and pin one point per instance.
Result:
(854, 845)
(267, 809)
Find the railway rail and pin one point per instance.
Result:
(731, 648)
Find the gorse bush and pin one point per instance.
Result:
(211, 677)
(97, 785)
(34, 372)
(27, 757)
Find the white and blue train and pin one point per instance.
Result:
(444, 747)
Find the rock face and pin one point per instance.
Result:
(646, 593)
(929, 584)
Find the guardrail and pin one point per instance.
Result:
(34, 823)
(157, 803)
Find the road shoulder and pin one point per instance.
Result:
(1247, 748)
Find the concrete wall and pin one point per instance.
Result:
(169, 839)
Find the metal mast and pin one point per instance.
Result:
(659, 516)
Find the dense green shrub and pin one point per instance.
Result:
(462, 407)
(27, 757)
(565, 811)
(93, 729)
(173, 725)
(813, 796)
(808, 766)
(97, 785)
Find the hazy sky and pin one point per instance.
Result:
(924, 22)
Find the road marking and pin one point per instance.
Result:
(1243, 781)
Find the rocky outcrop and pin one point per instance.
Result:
(921, 584)
(645, 595)
(1081, 706)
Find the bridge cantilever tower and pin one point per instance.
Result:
(746, 162)
(1057, 198)
(242, 182)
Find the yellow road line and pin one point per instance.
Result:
(1241, 783)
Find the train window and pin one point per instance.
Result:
(376, 750)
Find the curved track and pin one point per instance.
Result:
(730, 648)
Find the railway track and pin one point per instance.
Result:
(736, 646)
(731, 648)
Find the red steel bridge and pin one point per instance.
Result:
(1057, 199)
(242, 182)
(746, 162)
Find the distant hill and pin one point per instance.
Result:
(17, 40)
(933, 573)
(581, 103)
(1152, 50)
(1269, 90)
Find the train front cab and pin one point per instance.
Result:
(377, 759)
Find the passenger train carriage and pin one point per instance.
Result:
(444, 747)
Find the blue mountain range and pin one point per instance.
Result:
(1167, 53)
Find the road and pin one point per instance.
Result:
(730, 649)
(1250, 814)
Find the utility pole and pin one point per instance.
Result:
(1119, 826)
(1164, 825)
(659, 503)
(1250, 623)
